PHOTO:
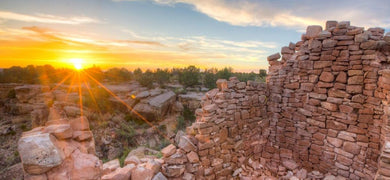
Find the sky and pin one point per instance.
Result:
(154, 34)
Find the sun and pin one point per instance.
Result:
(77, 63)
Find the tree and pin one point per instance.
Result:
(162, 76)
(137, 73)
(189, 76)
(118, 74)
(210, 78)
(225, 73)
(146, 79)
(262, 75)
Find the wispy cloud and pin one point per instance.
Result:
(153, 51)
(295, 14)
(46, 18)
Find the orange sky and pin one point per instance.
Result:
(39, 46)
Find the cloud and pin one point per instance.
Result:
(295, 14)
(154, 51)
(46, 18)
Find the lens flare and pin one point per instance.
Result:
(77, 63)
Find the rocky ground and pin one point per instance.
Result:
(116, 130)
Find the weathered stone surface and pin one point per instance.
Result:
(39, 152)
(313, 31)
(186, 144)
(334, 141)
(26, 92)
(60, 131)
(326, 77)
(120, 173)
(159, 176)
(273, 57)
(327, 43)
(110, 166)
(79, 124)
(193, 157)
(141, 173)
(169, 150)
(82, 135)
(131, 159)
(289, 164)
(350, 147)
(86, 166)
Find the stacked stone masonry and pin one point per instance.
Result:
(325, 107)
(328, 94)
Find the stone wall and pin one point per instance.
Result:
(327, 94)
(231, 128)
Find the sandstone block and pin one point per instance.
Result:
(273, 57)
(86, 166)
(39, 153)
(141, 173)
(79, 124)
(186, 144)
(313, 31)
(110, 166)
(326, 77)
(350, 147)
(169, 150)
(193, 157)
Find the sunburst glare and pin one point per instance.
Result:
(77, 63)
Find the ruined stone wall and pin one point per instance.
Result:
(230, 129)
(325, 108)
(325, 105)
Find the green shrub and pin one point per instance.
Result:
(126, 133)
(180, 123)
(189, 76)
(188, 114)
(122, 158)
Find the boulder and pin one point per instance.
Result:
(154, 108)
(153, 165)
(86, 166)
(141, 173)
(162, 102)
(39, 153)
(144, 109)
(60, 131)
(191, 100)
(79, 124)
(82, 135)
(131, 159)
(110, 166)
(159, 176)
(26, 92)
(120, 173)
(72, 111)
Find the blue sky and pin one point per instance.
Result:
(169, 33)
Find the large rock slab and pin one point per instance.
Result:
(39, 153)
(154, 108)
(26, 92)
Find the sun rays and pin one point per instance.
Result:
(81, 80)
